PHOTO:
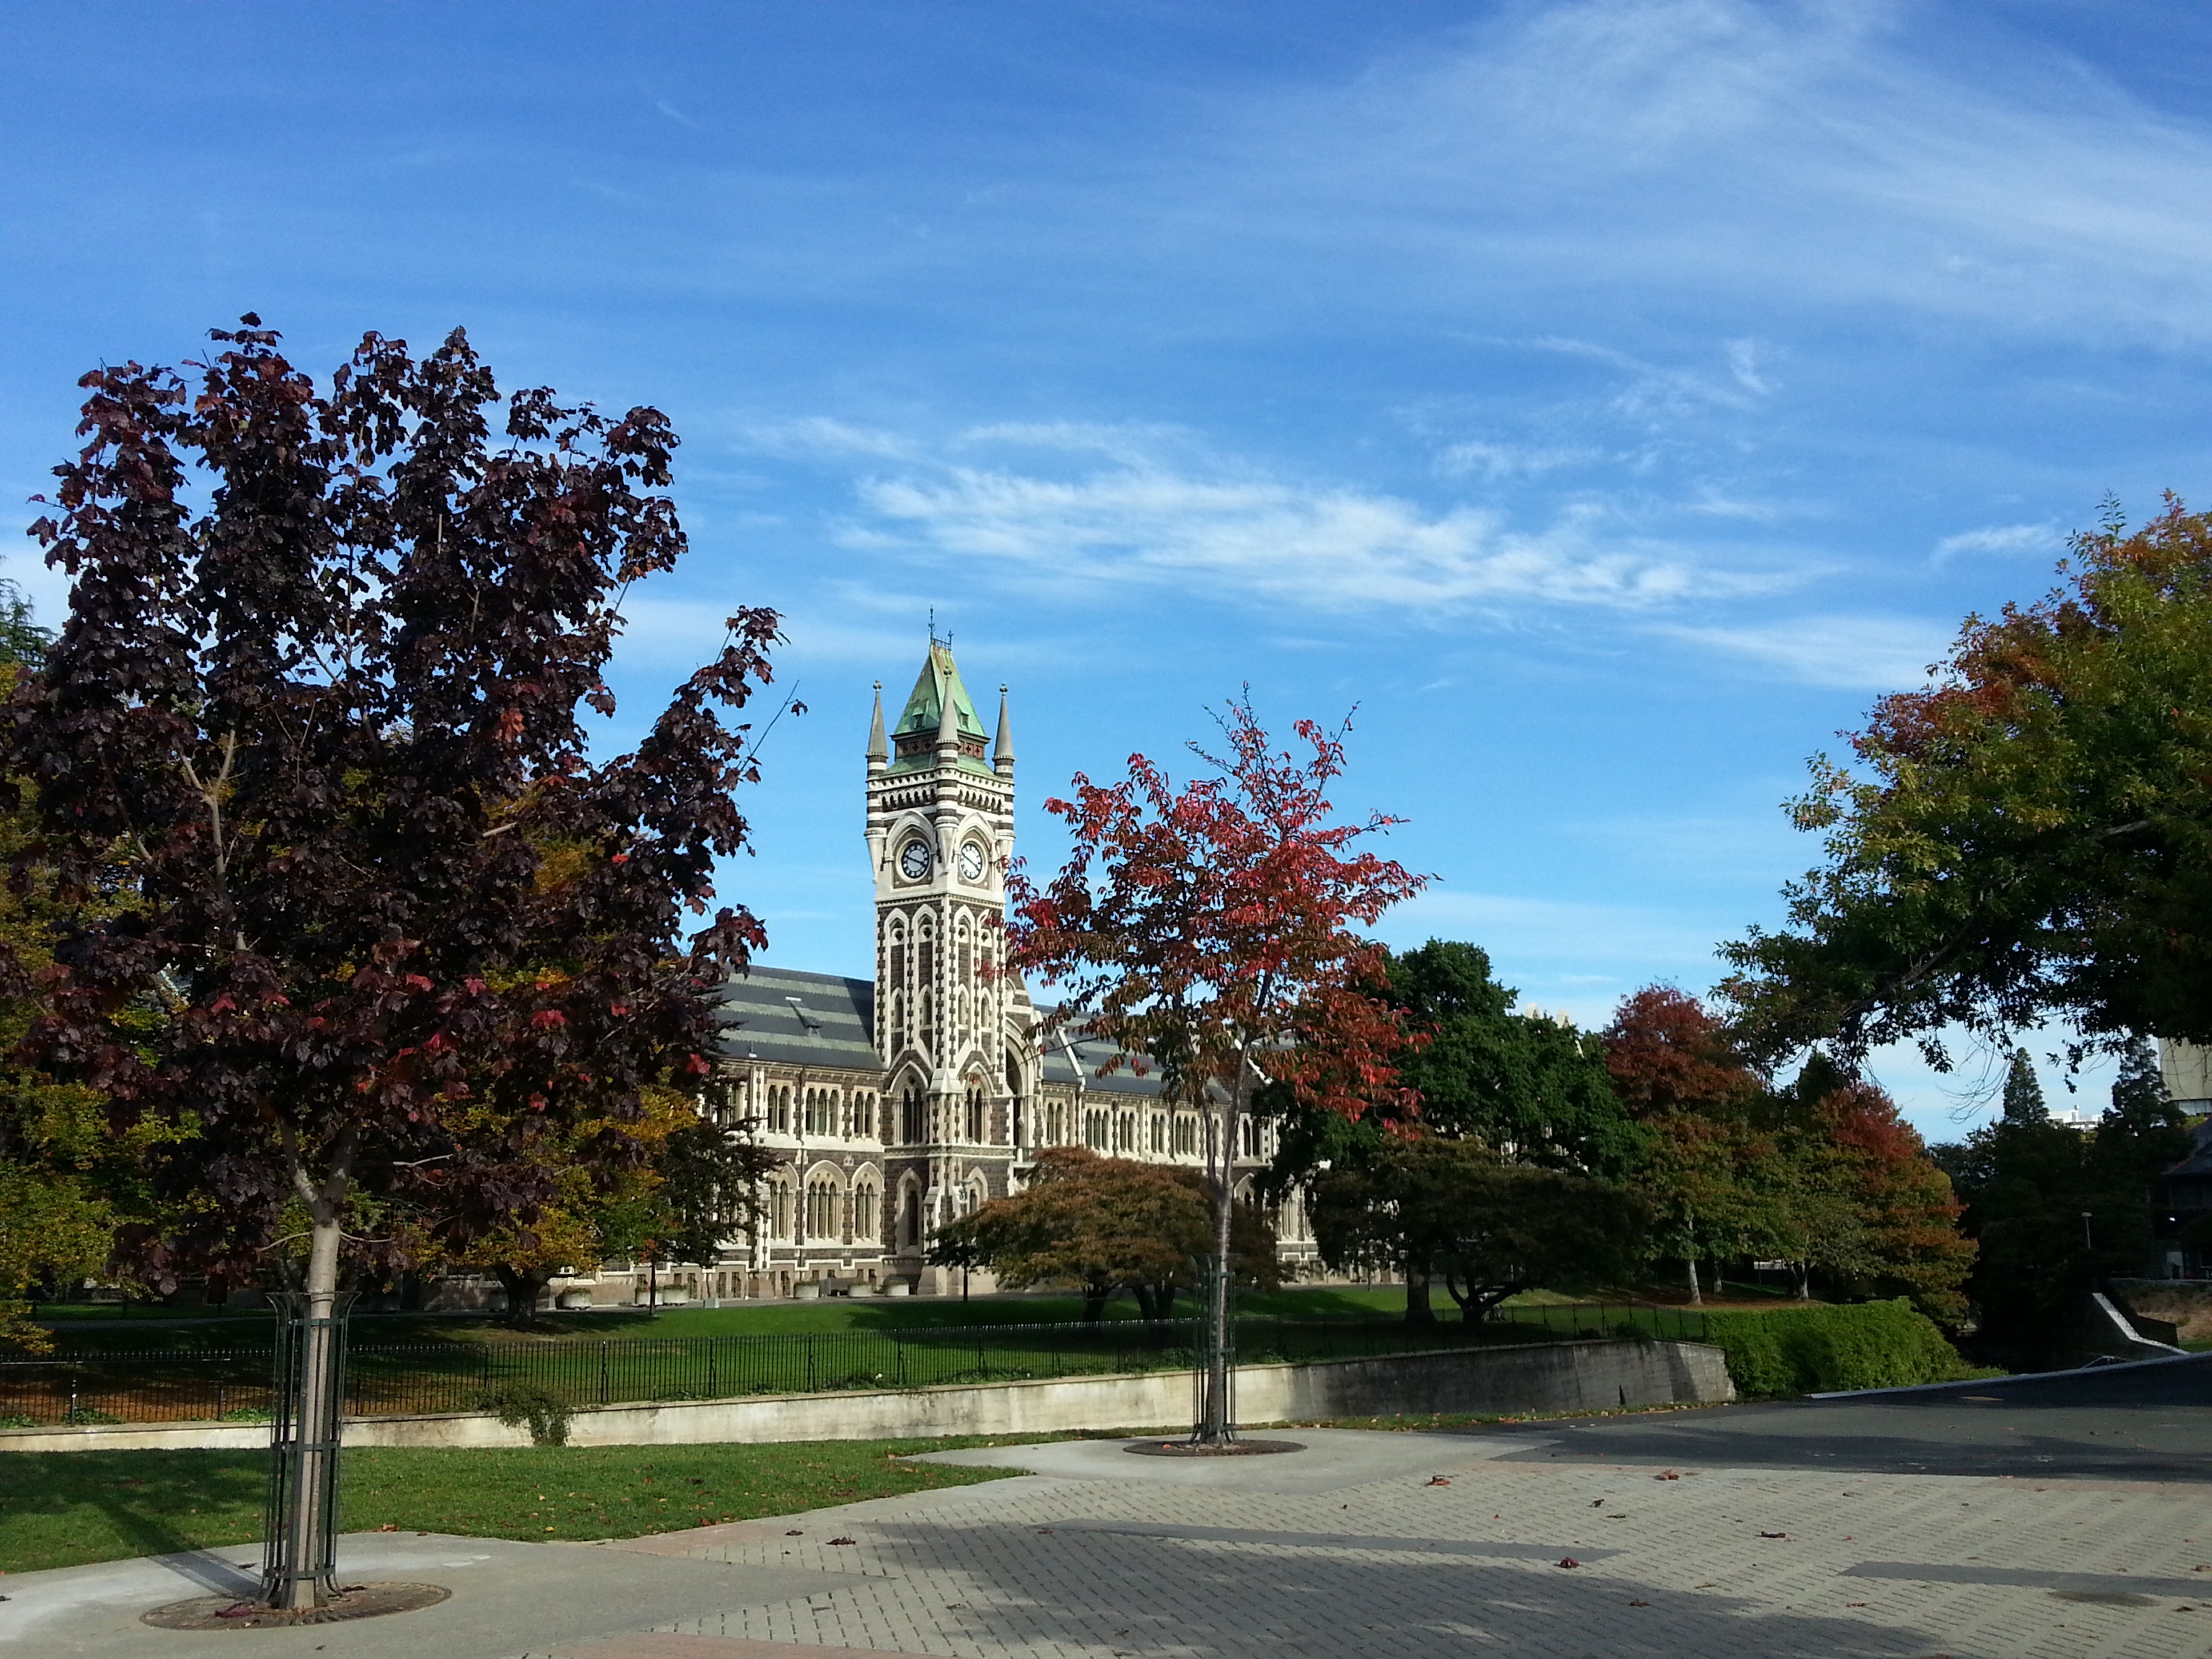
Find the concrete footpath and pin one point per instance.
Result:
(1364, 1544)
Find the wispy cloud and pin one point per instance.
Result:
(1494, 463)
(821, 437)
(1838, 153)
(1851, 653)
(2005, 540)
(1075, 503)
(1319, 545)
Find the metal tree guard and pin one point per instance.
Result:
(299, 1563)
(1215, 1355)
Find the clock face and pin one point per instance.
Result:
(971, 862)
(914, 859)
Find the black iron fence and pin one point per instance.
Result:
(459, 1375)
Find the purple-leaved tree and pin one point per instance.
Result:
(389, 928)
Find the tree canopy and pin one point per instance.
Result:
(1105, 1225)
(2026, 838)
(1453, 1209)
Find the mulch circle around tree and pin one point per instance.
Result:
(353, 1601)
(1231, 1448)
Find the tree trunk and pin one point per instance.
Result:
(1801, 1273)
(303, 1578)
(523, 1287)
(1697, 1296)
(1164, 1300)
(1094, 1301)
(1216, 1424)
(1418, 1309)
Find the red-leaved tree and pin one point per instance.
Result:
(389, 932)
(1210, 932)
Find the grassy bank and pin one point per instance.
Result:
(59, 1509)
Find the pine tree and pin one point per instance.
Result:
(2139, 1099)
(2023, 1092)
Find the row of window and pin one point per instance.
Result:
(828, 1112)
(824, 1214)
(1125, 1133)
(820, 1114)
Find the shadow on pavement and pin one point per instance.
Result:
(2135, 1425)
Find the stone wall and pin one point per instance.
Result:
(1543, 1376)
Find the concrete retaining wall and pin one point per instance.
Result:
(1542, 1376)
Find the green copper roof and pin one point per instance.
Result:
(925, 708)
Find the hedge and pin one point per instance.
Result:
(1870, 1345)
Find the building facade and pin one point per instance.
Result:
(896, 1104)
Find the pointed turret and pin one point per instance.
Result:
(1002, 754)
(948, 731)
(879, 748)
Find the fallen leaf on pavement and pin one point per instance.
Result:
(844, 1540)
(1568, 1561)
(1439, 1481)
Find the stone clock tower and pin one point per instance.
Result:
(940, 830)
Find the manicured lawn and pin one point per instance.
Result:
(241, 1330)
(57, 1508)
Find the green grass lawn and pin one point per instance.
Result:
(59, 1509)
(240, 1329)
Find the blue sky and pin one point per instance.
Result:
(1609, 399)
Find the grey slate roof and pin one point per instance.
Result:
(1090, 1053)
(793, 1019)
(790, 1018)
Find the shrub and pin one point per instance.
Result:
(517, 1403)
(17, 1420)
(1871, 1345)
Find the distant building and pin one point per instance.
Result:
(2185, 1190)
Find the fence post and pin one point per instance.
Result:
(809, 1362)
(714, 1372)
(604, 1378)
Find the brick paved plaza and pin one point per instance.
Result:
(1258, 1559)
(1366, 1543)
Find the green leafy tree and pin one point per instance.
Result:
(2055, 1211)
(2028, 838)
(1865, 1207)
(1528, 1086)
(65, 1181)
(1453, 1211)
(1105, 1225)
